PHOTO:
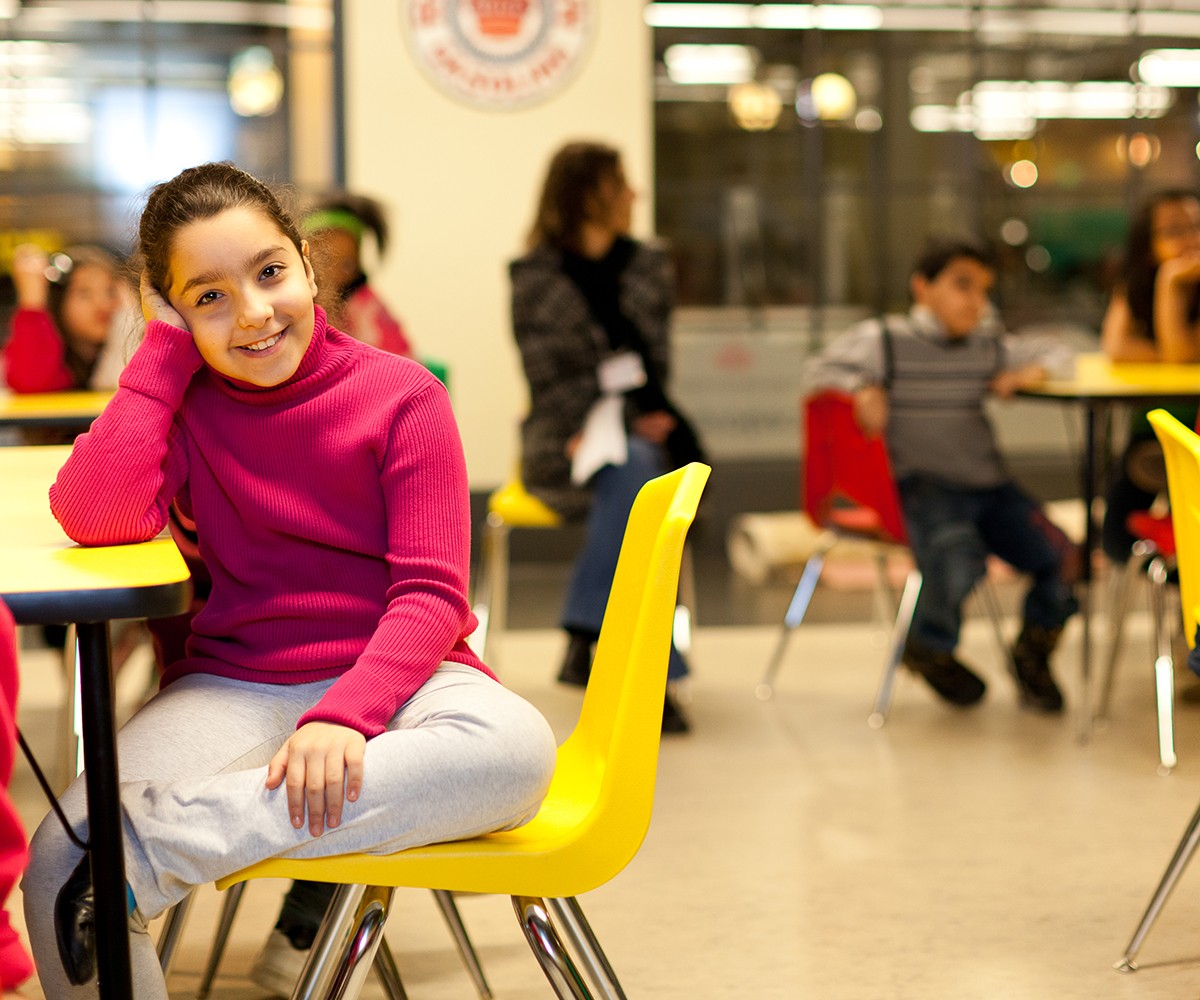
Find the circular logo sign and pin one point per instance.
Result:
(499, 53)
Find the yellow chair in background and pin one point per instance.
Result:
(1181, 449)
(510, 506)
(595, 814)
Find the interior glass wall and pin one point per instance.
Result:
(99, 100)
(804, 152)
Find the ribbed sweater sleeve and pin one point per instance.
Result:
(34, 357)
(122, 474)
(424, 482)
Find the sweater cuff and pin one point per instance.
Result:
(163, 366)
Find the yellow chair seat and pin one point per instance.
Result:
(519, 508)
(597, 810)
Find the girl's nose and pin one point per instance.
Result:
(255, 311)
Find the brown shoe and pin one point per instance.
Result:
(949, 677)
(1031, 665)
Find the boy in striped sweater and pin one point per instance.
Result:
(923, 378)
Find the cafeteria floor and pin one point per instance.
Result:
(797, 853)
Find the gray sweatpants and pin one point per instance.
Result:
(463, 756)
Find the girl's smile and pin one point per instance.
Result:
(245, 292)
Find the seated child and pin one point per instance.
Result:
(924, 378)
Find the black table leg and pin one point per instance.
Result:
(104, 813)
(1091, 536)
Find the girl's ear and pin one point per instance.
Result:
(308, 268)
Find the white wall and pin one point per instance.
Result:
(461, 183)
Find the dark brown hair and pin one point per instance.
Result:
(1141, 267)
(576, 172)
(201, 193)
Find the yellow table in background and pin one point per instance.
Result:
(1100, 385)
(45, 578)
(52, 409)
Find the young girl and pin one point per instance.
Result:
(1153, 315)
(329, 701)
(73, 323)
(337, 225)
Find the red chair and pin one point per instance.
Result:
(849, 492)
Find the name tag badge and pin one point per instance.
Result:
(621, 372)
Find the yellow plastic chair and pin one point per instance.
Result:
(1181, 448)
(510, 506)
(595, 814)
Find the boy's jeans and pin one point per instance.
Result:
(952, 530)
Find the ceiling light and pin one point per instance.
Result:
(710, 63)
(1170, 67)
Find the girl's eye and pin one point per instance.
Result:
(206, 298)
(272, 270)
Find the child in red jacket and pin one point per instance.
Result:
(15, 964)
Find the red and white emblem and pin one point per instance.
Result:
(499, 53)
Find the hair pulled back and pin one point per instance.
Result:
(575, 174)
(201, 193)
(1141, 266)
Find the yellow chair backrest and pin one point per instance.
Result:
(616, 737)
(1181, 449)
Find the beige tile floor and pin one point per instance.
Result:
(796, 853)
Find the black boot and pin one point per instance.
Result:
(1031, 664)
(75, 923)
(949, 677)
(577, 663)
(673, 721)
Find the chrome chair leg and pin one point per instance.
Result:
(388, 973)
(904, 617)
(1179, 861)
(171, 932)
(491, 608)
(233, 896)
(987, 595)
(797, 608)
(542, 938)
(1120, 596)
(343, 951)
(569, 916)
(1164, 666)
(458, 930)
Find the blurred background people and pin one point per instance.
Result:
(1152, 316)
(337, 225)
(76, 315)
(590, 313)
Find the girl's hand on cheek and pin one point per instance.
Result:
(155, 306)
(318, 761)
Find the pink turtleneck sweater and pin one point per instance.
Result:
(332, 512)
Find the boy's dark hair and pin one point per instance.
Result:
(938, 253)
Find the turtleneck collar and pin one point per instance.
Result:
(323, 356)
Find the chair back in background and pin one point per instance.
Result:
(847, 478)
(1181, 449)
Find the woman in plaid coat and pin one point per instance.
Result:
(590, 305)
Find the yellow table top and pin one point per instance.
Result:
(45, 577)
(1096, 377)
(51, 409)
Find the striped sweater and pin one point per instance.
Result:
(937, 386)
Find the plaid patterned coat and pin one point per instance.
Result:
(561, 345)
